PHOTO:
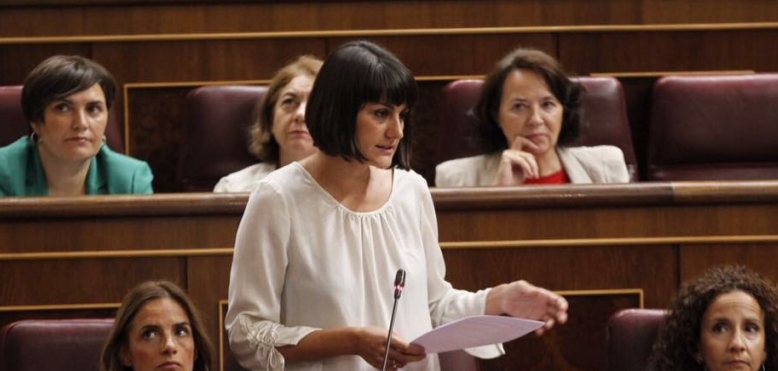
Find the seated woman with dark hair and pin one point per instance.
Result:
(66, 100)
(157, 328)
(307, 284)
(529, 112)
(725, 320)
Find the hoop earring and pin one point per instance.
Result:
(34, 137)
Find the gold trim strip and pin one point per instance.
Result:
(117, 254)
(573, 242)
(50, 307)
(584, 242)
(390, 32)
(195, 84)
(449, 78)
(126, 107)
(426, 78)
(671, 73)
(222, 304)
(191, 84)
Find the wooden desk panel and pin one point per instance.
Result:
(760, 256)
(603, 247)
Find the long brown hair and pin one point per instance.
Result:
(118, 339)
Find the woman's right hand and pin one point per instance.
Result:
(517, 164)
(370, 344)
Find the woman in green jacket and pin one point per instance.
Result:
(66, 100)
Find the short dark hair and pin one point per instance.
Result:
(679, 338)
(110, 357)
(262, 144)
(353, 75)
(569, 93)
(60, 76)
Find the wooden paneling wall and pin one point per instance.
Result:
(604, 247)
(160, 49)
(25, 18)
(157, 70)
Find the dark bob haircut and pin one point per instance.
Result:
(355, 74)
(60, 76)
(569, 93)
(134, 301)
(679, 338)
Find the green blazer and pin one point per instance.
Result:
(22, 174)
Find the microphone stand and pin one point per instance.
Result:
(399, 284)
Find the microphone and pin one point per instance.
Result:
(399, 284)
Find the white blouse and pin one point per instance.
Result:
(244, 180)
(583, 165)
(304, 262)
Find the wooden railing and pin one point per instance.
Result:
(604, 247)
(155, 82)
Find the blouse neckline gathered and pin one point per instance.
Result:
(328, 197)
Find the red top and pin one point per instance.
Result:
(560, 177)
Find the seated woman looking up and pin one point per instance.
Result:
(66, 100)
(725, 320)
(279, 135)
(157, 328)
(528, 113)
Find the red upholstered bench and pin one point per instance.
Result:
(216, 139)
(714, 128)
(53, 345)
(631, 335)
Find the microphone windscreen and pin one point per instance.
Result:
(399, 279)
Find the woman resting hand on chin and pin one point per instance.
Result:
(278, 134)
(528, 114)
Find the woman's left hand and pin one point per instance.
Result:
(524, 300)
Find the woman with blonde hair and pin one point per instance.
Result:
(278, 135)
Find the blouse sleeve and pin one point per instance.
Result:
(446, 303)
(257, 279)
